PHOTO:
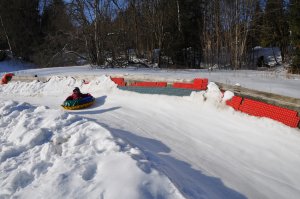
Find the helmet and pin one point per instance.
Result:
(76, 89)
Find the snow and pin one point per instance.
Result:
(49, 153)
(227, 95)
(139, 145)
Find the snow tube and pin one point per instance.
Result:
(6, 78)
(79, 103)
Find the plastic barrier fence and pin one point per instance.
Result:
(119, 81)
(149, 84)
(198, 84)
(261, 109)
(249, 106)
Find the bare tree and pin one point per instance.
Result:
(6, 35)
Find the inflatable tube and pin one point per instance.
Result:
(78, 104)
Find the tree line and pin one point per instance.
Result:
(170, 33)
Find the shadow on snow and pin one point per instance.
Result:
(191, 183)
(99, 101)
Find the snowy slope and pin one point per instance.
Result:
(204, 147)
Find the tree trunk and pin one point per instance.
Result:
(6, 35)
(178, 16)
(96, 4)
(236, 36)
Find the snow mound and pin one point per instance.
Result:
(47, 153)
(57, 86)
(212, 96)
(228, 95)
(102, 83)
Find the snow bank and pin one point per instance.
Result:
(212, 96)
(48, 153)
(57, 86)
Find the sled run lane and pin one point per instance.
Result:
(204, 147)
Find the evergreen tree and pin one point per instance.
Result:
(275, 30)
(20, 20)
(55, 30)
(188, 44)
(295, 30)
(55, 18)
(255, 35)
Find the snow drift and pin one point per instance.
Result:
(48, 153)
(56, 86)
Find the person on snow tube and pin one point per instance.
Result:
(6, 78)
(78, 99)
(77, 95)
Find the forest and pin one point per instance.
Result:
(167, 33)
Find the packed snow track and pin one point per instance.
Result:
(140, 146)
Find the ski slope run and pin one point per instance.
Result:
(146, 146)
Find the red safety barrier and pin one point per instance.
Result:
(200, 84)
(261, 109)
(235, 102)
(6, 78)
(204, 84)
(183, 85)
(162, 84)
(144, 84)
(293, 122)
(118, 80)
(149, 84)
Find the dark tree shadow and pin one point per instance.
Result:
(190, 182)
